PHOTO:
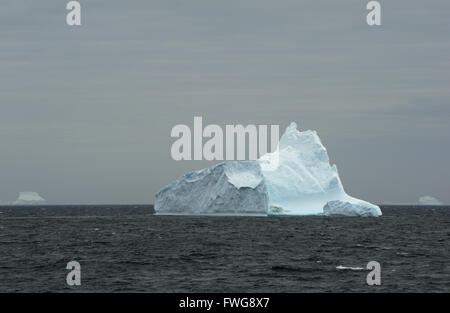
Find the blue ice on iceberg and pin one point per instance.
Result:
(227, 188)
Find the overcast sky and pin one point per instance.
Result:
(86, 112)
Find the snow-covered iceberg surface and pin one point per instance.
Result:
(227, 188)
(302, 183)
(29, 198)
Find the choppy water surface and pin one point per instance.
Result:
(126, 248)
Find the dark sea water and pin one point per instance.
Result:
(126, 248)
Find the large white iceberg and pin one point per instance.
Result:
(302, 183)
(29, 198)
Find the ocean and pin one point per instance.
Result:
(128, 249)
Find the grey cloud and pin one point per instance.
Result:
(86, 112)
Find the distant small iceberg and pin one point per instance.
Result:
(429, 200)
(29, 198)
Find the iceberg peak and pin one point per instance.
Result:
(292, 127)
(304, 181)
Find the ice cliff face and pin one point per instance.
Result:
(226, 188)
(302, 183)
(29, 198)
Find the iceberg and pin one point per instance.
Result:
(302, 183)
(429, 200)
(29, 198)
